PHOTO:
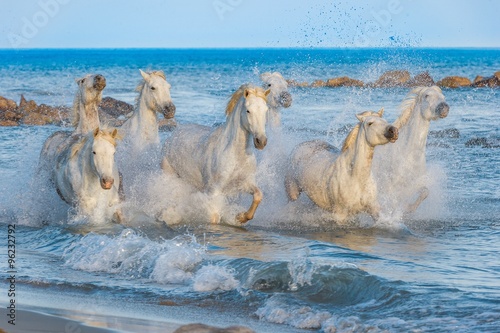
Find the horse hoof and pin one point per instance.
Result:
(242, 218)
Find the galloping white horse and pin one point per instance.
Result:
(401, 168)
(341, 183)
(278, 97)
(86, 176)
(87, 99)
(85, 118)
(154, 96)
(221, 160)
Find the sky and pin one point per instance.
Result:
(248, 23)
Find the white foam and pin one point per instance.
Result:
(211, 278)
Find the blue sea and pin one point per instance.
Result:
(289, 269)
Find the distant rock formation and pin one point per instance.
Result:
(344, 81)
(397, 78)
(491, 81)
(454, 82)
(421, 80)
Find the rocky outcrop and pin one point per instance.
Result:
(454, 82)
(294, 83)
(114, 107)
(318, 83)
(491, 81)
(397, 78)
(421, 80)
(344, 81)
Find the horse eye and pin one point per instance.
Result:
(269, 85)
(153, 88)
(248, 111)
(93, 152)
(370, 123)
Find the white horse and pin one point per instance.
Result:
(86, 176)
(85, 118)
(341, 182)
(221, 161)
(401, 168)
(278, 97)
(154, 96)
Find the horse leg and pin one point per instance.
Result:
(166, 167)
(423, 193)
(121, 191)
(249, 214)
(292, 188)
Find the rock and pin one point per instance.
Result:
(293, 83)
(454, 82)
(344, 81)
(10, 115)
(483, 142)
(318, 83)
(450, 133)
(25, 106)
(7, 104)
(421, 80)
(395, 78)
(114, 107)
(202, 328)
(37, 119)
(492, 81)
(8, 123)
(477, 79)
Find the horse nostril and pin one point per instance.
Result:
(285, 99)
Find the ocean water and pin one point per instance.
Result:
(290, 269)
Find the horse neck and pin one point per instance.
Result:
(233, 134)
(360, 156)
(88, 117)
(413, 135)
(143, 121)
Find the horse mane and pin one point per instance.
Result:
(408, 104)
(75, 112)
(252, 90)
(105, 133)
(351, 137)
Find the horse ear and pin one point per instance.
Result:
(79, 81)
(96, 131)
(267, 92)
(361, 116)
(114, 133)
(246, 93)
(144, 75)
(265, 76)
(380, 112)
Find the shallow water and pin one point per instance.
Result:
(290, 268)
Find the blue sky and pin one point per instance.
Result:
(248, 23)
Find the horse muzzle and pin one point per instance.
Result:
(99, 82)
(260, 142)
(392, 133)
(285, 99)
(168, 110)
(107, 183)
(442, 110)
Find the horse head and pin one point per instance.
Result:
(156, 92)
(254, 114)
(90, 88)
(102, 158)
(377, 130)
(279, 95)
(432, 103)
